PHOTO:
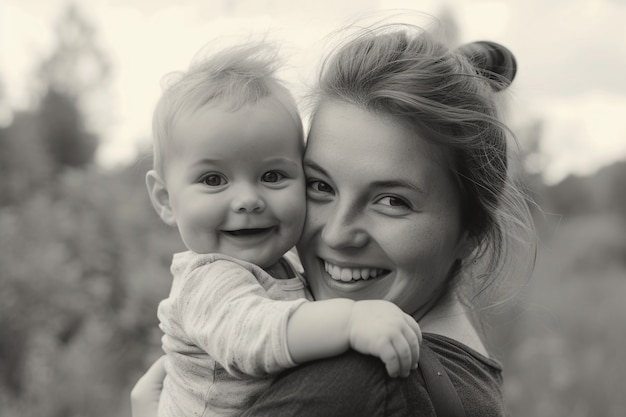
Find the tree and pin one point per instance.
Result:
(78, 66)
(25, 166)
(63, 130)
(72, 77)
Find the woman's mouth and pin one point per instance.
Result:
(352, 274)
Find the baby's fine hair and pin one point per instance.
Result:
(232, 77)
(447, 97)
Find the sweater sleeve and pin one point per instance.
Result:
(226, 312)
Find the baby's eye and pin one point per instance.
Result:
(272, 176)
(214, 180)
(320, 186)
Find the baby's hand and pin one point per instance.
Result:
(382, 329)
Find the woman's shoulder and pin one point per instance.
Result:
(454, 351)
(476, 377)
(353, 384)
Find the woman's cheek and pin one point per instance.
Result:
(314, 218)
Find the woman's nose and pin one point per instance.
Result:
(247, 199)
(342, 230)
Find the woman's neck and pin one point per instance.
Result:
(448, 317)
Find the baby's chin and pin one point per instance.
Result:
(265, 261)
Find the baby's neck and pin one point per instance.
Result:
(279, 270)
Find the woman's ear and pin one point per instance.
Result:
(160, 197)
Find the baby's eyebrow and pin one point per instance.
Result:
(206, 161)
(281, 160)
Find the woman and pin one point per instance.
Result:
(406, 167)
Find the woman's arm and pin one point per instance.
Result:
(144, 397)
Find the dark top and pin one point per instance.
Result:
(353, 384)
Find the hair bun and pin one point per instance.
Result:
(493, 61)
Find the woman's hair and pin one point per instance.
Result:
(233, 77)
(447, 96)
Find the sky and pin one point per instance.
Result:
(571, 56)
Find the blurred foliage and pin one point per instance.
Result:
(77, 65)
(25, 166)
(85, 261)
(563, 352)
(71, 76)
(63, 131)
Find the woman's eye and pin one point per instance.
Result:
(320, 186)
(272, 176)
(214, 180)
(394, 202)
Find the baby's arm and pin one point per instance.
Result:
(327, 328)
(226, 312)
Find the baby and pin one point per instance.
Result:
(228, 145)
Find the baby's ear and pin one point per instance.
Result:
(159, 197)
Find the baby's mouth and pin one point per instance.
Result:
(249, 232)
(352, 274)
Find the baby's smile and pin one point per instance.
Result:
(249, 232)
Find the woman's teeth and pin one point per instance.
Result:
(350, 274)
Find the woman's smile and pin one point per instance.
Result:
(348, 281)
(351, 274)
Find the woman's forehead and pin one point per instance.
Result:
(343, 131)
(349, 142)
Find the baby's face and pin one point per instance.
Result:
(235, 182)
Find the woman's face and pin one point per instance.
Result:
(383, 217)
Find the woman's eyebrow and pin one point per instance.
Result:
(395, 183)
(310, 164)
(398, 184)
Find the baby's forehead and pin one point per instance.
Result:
(264, 124)
(228, 115)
